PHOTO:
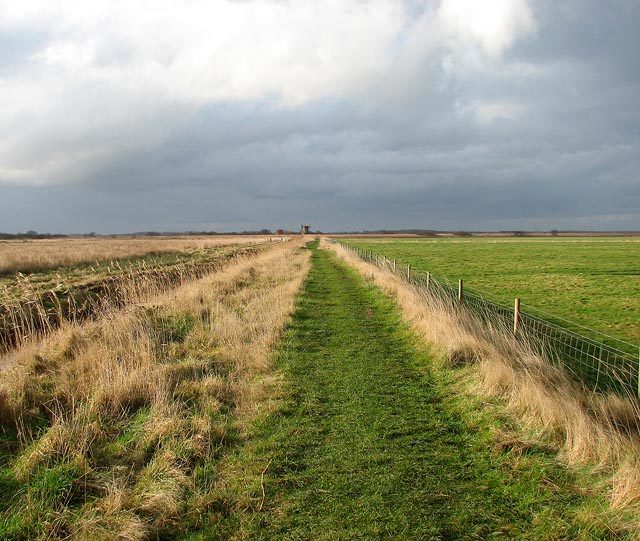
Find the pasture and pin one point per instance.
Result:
(594, 282)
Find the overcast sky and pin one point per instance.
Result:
(119, 116)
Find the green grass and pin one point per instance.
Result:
(44, 501)
(372, 441)
(594, 282)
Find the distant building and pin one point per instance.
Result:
(304, 229)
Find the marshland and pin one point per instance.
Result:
(262, 389)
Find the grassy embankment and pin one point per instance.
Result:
(374, 440)
(594, 282)
(597, 431)
(115, 428)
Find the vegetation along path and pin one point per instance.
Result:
(370, 443)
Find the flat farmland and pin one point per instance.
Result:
(275, 391)
(594, 282)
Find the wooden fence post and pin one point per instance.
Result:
(516, 316)
(638, 372)
(460, 289)
(409, 271)
(394, 266)
(428, 279)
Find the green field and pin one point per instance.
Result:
(594, 282)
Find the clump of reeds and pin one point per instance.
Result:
(587, 428)
(29, 256)
(115, 426)
(28, 312)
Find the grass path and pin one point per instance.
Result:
(370, 444)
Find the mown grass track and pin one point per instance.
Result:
(370, 444)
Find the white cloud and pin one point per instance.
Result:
(113, 73)
(493, 24)
(199, 51)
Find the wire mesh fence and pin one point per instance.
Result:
(601, 362)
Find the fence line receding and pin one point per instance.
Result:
(602, 362)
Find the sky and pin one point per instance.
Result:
(120, 116)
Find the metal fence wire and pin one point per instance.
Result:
(601, 362)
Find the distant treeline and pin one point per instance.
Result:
(417, 232)
(201, 233)
(437, 233)
(30, 235)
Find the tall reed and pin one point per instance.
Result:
(29, 256)
(28, 312)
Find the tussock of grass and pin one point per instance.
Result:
(597, 432)
(108, 426)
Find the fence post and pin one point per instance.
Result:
(409, 278)
(428, 279)
(516, 315)
(460, 289)
(394, 266)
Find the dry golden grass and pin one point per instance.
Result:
(33, 255)
(586, 429)
(29, 310)
(125, 417)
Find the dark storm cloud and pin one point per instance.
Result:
(449, 134)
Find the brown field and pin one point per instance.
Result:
(35, 303)
(28, 256)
